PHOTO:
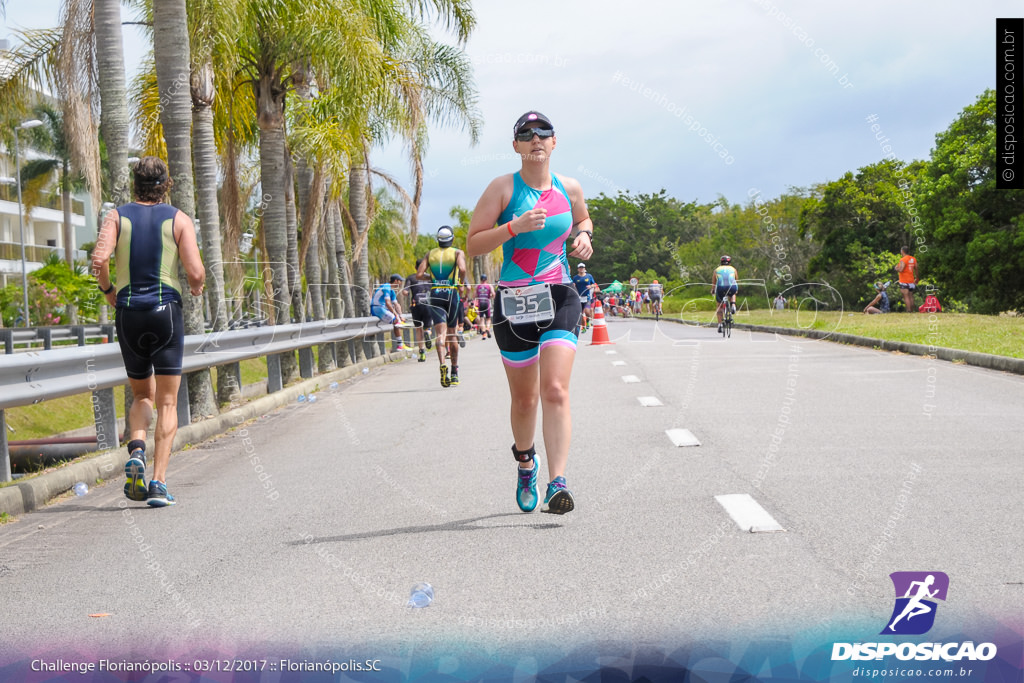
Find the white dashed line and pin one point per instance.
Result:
(611, 352)
(618, 362)
(649, 401)
(630, 379)
(682, 437)
(747, 513)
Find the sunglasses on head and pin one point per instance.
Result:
(526, 134)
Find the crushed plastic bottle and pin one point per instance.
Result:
(312, 398)
(80, 489)
(366, 371)
(302, 398)
(422, 595)
(334, 385)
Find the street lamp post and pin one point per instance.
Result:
(21, 214)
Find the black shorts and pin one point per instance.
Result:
(445, 307)
(723, 291)
(151, 341)
(421, 315)
(520, 345)
(484, 311)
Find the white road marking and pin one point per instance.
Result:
(682, 437)
(630, 379)
(649, 401)
(618, 362)
(611, 352)
(747, 513)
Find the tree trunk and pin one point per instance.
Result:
(208, 211)
(335, 304)
(341, 255)
(69, 234)
(113, 95)
(344, 283)
(357, 207)
(171, 53)
(294, 269)
(270, 112)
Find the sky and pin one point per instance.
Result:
(701, 99)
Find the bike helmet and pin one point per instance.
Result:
(396, 276)
(726, 260)
(445, 236)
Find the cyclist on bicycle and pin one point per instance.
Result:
(724, 286)
(655, 292)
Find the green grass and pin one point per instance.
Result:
(998, 335)
(73, 412)
(55, 416)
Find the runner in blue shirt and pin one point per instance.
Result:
(585, 286)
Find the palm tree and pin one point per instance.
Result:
(338, 40)
(37, 174)
(172, 57)
(109, 57)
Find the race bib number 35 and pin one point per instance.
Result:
(531, 304)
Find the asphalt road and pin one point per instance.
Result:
(304, 530)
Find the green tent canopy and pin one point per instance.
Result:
(614, 287)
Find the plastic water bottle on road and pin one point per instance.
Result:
(81, 488)
(302, 398)
(334, 385)
(422, 595)
(312, 398)
(366, 371)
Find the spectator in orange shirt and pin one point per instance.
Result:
(907, 268)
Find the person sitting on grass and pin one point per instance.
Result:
(880, 304)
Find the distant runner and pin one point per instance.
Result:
(484, 296)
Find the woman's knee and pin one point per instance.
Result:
(524, 403)
(555, 393)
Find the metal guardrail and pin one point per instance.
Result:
(34, 376)
(27, 336)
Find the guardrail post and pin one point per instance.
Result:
(5, 456)
(382, 347)
(275, 382)
(306, 362)
(184, 409)
(108, 332)
(104, 412)
(79, 331)
(46, 334)
(7, 334)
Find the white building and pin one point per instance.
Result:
(44, 226)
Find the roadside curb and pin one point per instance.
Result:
(33, 493)
(981, 360)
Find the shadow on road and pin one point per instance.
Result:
(455, 525)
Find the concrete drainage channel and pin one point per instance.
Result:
(28, 494)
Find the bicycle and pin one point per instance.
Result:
(657, 309)
(726, 319)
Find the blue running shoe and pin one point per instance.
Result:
(559, 499)
(526, 492)
(158, 496)
(135, 471)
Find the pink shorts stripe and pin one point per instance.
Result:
(560, 342)
(520, 363)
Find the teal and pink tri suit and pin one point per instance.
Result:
(532, 258)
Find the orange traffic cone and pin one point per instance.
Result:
(600, 329)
